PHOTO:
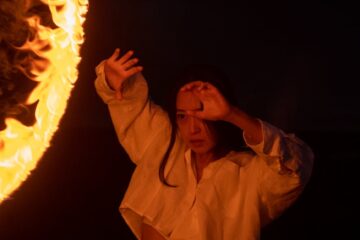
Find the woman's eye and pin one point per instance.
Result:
(180, 116)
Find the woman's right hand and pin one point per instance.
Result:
(117, 71)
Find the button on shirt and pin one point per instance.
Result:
(236, 195)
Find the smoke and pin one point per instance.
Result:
(14, 32)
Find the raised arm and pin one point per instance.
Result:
(283, 164)
(140, 124)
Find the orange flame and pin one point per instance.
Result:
(21, 147)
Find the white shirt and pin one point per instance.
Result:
(237, 194)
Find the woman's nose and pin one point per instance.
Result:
(194, 125)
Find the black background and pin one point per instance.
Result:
(294, 64)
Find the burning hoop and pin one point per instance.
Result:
(21, 147)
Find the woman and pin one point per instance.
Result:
(187, 183)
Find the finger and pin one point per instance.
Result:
(126, 57)
(115, 55)
(191, 85)
(135, 70)
(199, 94)
(208, 95)
(206, 88)
(194, 84)
(130, 63)
(207, 85)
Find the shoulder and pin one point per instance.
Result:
(241, 158)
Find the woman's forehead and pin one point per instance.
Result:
(187, 100)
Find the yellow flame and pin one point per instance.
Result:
(21, 147)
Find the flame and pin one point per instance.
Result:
(21, 147)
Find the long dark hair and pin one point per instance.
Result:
(229, 136)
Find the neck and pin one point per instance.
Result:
(204, 158)
(201, 160)
(210, 156)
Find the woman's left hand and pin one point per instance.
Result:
(214, 105)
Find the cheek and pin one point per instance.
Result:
(211, 136)
(181, 130)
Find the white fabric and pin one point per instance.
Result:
(237, 194)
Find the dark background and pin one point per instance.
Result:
(294, 64)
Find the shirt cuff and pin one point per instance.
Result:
(260, 146)
(271, 142)
(102, 83)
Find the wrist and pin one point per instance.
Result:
(232, 114)
(108, 84)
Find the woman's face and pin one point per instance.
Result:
(197, 133)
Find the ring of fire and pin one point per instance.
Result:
(21, 147)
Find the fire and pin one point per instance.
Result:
(21, 147)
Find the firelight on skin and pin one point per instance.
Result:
(195, 131)
(198, 134)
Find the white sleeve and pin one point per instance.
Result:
(284, 166)
(139, 123)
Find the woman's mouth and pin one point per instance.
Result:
(197, 142)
